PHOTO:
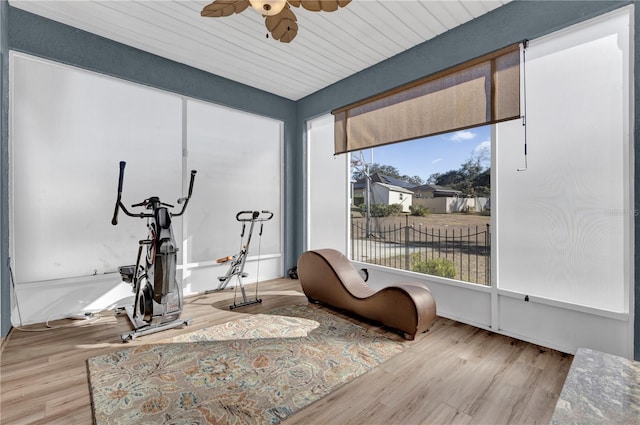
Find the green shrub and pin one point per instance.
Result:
(435, 266)
(419, 210)
(394, 209)
(382, 210)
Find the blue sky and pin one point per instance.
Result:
(436, 154)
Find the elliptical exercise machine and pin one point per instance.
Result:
(236, 267)
(158, 293)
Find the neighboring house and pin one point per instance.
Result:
(439, 199)
(360, 185)
(434, 191)
(385, 190)
(388, 194)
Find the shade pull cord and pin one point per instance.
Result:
(525, 44)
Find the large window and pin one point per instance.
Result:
(424, 205)
(561, 196)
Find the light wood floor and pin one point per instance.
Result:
(453, 374)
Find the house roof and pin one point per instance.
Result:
(436, 189)
(394, 188)
(394, 181)
(383, 178)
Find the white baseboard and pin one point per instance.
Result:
(38, 302)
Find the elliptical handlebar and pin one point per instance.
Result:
(269, 213)
(186, 200)
(254, 215)
(114, 220)
(150, 201)
(147, 202)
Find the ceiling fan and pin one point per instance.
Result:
(279, 18)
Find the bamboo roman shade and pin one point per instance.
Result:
(482, 91)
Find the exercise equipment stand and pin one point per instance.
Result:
(158, 297)
(236, 268)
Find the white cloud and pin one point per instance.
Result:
(484, 146)
(459, 136)
(435, 161)
(482, 153)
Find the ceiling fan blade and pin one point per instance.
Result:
(320, 5)
(313, 5)
(224, 8)
(283, 26)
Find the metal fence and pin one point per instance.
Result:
(462, 254)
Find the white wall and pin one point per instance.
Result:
(560, 326)
(327, 174)
(464, 302)
(379, 194)
(70, 128)
(435, 205)
(404, 199)
(445, 205)
(383, 195)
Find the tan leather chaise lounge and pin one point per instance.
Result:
(327, 276)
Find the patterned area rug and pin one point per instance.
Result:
(255, 370)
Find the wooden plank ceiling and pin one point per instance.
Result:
(328, 47)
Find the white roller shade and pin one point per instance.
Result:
(564, 225)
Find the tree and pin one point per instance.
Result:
(447, 179)
(415, 180)
(387, 170)
(472, 178)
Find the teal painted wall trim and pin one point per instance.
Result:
(636, 183)
(5, 283)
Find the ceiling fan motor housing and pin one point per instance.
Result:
(279, 18)
(268, 7)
